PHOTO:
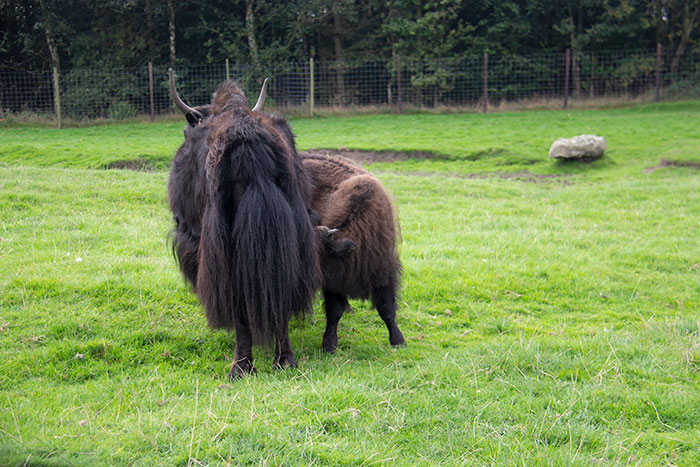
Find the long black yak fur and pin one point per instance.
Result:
(243, 235)
(260, 227)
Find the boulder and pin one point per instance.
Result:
(586, 147)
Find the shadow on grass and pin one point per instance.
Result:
(579, 166)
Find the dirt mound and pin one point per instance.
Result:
(394, 156)
(132, 164)
(520, 175)
(379, 156)
(668, 163)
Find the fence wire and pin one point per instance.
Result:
(384, 84)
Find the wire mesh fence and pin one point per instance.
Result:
(478, 82)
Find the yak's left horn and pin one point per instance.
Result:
(261, 100)
(176, 98)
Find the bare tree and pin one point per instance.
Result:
(149, 30)
(50, 36)
(171, 29)
(688, 19)
(250, 31)
(338, 46)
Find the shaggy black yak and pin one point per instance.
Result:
(245, 205)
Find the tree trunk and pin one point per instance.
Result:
(250, 31)
(171, 29)
(149, 31)
(573, 44)
(50, 39)
(419, 16)
(688, 25)
(55, 60)
(340, 65)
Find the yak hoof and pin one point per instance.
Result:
(240, 370)
(284, 362)
(397, 340)
(329, 343)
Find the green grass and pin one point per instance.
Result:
(548, 323)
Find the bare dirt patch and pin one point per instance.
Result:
(132, 164)
(520, 175)
(394, 156)
(379, 156)
(669, 163)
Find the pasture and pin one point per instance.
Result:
(550, 309)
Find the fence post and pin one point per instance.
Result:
(567, 69)
(228, 74)
(311, 86)
(658, 71)
(485, 97)
(57, 96)
(150, 90)
(399, 91)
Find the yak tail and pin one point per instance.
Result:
(258, 264)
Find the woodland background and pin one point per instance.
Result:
(36, 34)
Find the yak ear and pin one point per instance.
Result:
(194, 118)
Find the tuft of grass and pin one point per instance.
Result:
(550, 320)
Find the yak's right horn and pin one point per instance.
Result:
(261, 100)
(176, 98)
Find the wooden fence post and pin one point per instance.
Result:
(658, 71)
(399, 91)
(150, 90)
(485, 97)
(567, 69)
(311, 86)
(228, 73)
(57, 96)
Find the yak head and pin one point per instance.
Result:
(228, 96)
(206, 123)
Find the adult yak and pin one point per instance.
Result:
(260, 228)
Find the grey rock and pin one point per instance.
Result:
(578, 147)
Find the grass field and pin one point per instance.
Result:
(552, 316)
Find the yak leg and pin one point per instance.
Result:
(384, 299)
(243, 355)
(335, 305)
(284, 355)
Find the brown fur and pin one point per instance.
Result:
(346, 197)
(360, 260)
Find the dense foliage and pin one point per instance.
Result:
(80, 33)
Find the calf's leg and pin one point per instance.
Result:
(335, 304)
(384, 299)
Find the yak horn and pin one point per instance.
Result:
(261, 100)
(176, 98)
